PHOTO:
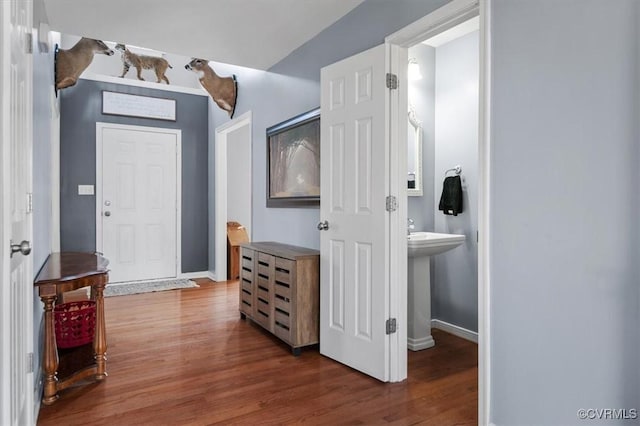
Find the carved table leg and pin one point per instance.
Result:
(100, 338)
(50, 353)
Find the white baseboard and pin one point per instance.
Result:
(472, 336)
(211, 276)
(421, 343)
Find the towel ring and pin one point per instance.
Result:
(457, 169)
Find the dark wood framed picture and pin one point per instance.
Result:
(293, 161)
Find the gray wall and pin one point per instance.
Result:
(364, 27)
(292, 87)
(454, 287)
(565, 281)
(81, 108)
(422, 95)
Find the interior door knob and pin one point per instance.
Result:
(323, 226)
(24, 247)
(107, 213)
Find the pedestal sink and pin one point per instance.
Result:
(421, 246)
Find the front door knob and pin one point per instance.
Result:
(24, 247)
(323, 226)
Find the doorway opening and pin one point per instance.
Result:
(233, 193)
(470, 319)
(443, 113)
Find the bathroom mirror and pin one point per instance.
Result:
(414, 155)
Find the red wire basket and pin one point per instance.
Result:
(75, 323)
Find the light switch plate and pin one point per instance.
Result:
(85, 190)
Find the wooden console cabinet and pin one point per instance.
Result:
(64, 272)
(279, 289)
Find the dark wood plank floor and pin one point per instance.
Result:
(184, 357)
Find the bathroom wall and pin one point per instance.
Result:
(454, 288)
(422, 97)
(446, 102)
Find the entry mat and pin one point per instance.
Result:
(122, 289)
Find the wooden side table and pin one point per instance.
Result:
(64, 272)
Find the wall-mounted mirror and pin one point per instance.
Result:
(414, 155)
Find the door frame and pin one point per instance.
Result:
(434, 23)
(220, 179)
(178, 134)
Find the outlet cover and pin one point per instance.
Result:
(85, 190)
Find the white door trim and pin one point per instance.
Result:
(434, 23)
(178, 133)
(222, 132)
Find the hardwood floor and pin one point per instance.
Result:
(185, 357)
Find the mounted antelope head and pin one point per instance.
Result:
(72, 62)
(223, 90)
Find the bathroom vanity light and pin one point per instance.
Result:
(414, 70)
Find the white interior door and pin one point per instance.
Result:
(16, 335)
(354, 274)
(137, 201)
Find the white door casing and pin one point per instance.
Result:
(137, 201)
(354, 250)
(16, 294)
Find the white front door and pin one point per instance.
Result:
(137, 201)
(16, 294)
(354, 272)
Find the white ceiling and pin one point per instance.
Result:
(249, 33)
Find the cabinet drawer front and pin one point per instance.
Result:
(263, 271)
(246, 299)
(282, 289)
(283, 277)
(282, 318)
(263, 293)
(247, 275)
(247, 286)
(263, 307)
(266, 259)
(284, 269)
(282, 304)
(247, 263)
(262, 282)
(282, 331)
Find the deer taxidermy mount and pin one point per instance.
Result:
(140, 62)
(223, 90)
(69, 64)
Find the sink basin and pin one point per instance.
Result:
(430, 243)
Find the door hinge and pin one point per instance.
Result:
(28, 39)
(392, 81)
(29, 202)
(30, 365)
(392, 203)
(391, 325)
